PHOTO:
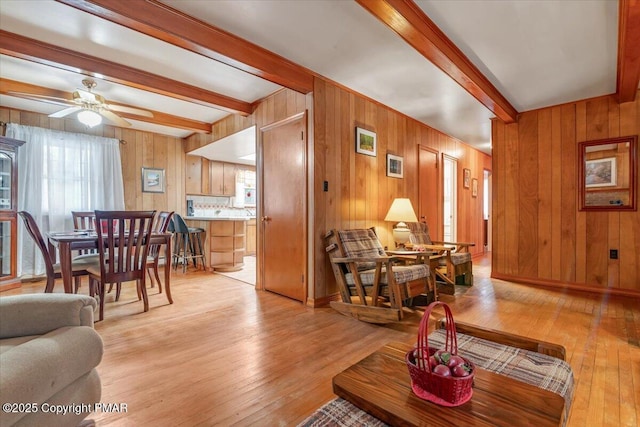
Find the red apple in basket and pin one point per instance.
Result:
(442, 356)
(442, 370)
(461, 370)
(455, 361)
(433, 362)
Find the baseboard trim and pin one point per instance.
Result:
(324, 301)
(557, 284)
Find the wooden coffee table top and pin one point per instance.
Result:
(380, 385)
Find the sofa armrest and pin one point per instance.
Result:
(37, 314)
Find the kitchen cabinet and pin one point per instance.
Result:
(222, 178)
(197, 175)
(251, 237)
(193, 175)
(8, 213)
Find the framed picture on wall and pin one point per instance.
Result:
(600, 172)
(365, 142)
(152, 180)
(466, 178)
(474, 187)
(395, 166)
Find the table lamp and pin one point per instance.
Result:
(401, 211)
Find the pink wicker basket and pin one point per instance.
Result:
(445, 391)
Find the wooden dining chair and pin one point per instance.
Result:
(85, 221)
(160, 225)
(123, 246)
(79, 268)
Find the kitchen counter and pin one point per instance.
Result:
(219, 218)
(225, 241)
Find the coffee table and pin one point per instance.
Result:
(380, 385)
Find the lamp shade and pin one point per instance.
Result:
(401, 211)
(89, 118)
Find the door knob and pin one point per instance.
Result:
(265, 218)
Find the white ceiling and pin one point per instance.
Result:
(236, 148)
(536, 53)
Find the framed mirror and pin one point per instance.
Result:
(608, 174)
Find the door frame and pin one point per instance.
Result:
(260, 250)
(454, 208)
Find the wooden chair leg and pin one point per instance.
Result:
(142, 287)
(51, 281)
(118, 289)
(157, 275)
(98, 288)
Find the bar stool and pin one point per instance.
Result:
(188, 244)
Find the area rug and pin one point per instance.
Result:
(341, 413)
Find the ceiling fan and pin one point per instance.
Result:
(91, 107)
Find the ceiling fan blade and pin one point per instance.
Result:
(65, 112)
(130, 110)
(41, 98)
(114, 118)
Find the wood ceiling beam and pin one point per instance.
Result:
(23, 90)
(47, 54)
(160, 21)
(628, 50)
(414, 26)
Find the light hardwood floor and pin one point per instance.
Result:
(226, 354)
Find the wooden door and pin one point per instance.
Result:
(284, 208)
(428, 188)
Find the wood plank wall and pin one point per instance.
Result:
(360, 193)
(278, 106)
(539, 234)
(141, 149)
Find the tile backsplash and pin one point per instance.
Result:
(218, 207)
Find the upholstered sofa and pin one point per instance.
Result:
(48, 357)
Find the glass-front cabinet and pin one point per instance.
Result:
(8, 212)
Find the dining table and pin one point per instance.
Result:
(65, 242)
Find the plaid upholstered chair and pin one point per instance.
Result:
(456, 260)
(375, 287)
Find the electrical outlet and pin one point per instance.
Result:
(613, 253)
(325, 186)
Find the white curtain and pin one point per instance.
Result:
(60, 172)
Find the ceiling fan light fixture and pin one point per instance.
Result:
(89, 118)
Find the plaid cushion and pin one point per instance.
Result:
(361, 243)
(460, 258)
(540, 370)
(419, 233)
(401, 273)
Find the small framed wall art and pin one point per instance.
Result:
(365, 142)
(152, 180)
(466, 178)
(474, 187)
(395, 166)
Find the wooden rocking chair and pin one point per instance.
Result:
(375, 287)
(455, 261)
